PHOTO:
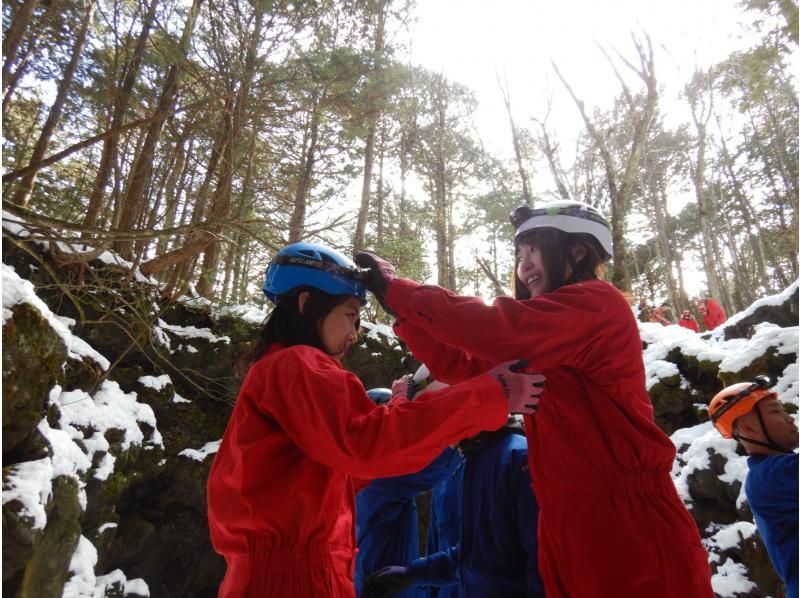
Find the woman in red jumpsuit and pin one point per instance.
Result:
(611, 523)
(712, 312)
(303, 432)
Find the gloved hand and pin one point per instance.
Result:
(404, 387)
(386, 581)
(380, 274)
(522, 390)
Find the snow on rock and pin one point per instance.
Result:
(740, 352)
(700, 439)
(193, 332)
(210, 448)
(731, 580)
(17, 290)
(85, 584)
(155, 382)
(30, 483)
(246, 312)
(376, 331)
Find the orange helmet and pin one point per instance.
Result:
(737, 400)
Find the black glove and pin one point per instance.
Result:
(386, 581)
(380, 274)
(522, 390)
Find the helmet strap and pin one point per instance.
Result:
(770, 443)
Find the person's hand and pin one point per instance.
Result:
(386, 581)
(403, 387)
(380, 274)
(522, 390)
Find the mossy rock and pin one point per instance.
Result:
(713, 501)
(375, 363)
(771, 363)
(673, 405)
(33, 356)
(47, 570)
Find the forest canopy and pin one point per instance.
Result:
(195, 138)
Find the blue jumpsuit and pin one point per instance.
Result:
(482, 539)
(386, 519)
(771, 490)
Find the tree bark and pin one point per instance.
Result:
(140, 174)
(14, 35)
(121, 99)
(375, 97)
(26, 185)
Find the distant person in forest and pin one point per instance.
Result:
(482, 537)
(611, 522)
(386, 511)
(660, 314)
(687, 320)
(751, 413)
(304, 436)
(712, 312)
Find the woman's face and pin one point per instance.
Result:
(339, 329)
(530, 269)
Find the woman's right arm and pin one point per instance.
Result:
(445, 362)
(325, 411)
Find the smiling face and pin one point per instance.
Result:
(339, 329)
(531, 270)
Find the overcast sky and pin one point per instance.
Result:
(472, 40)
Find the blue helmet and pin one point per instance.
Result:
(380, 396)
(312, 265)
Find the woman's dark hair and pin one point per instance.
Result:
(287, 326)
(556, 248)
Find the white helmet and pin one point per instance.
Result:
(423, 381)
(567, 216)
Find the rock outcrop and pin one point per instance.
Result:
(114, 402)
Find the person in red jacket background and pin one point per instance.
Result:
(712, 312)
(687, 320)
(611, 522)
(303, 432)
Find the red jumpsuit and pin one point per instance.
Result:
(714, 315)
(689, 323)
(281, 491)
(611, 522)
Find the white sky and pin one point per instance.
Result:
(472, 41)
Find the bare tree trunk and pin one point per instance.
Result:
(751, 224)
(621, 188)
(523, 175)
(141, 170)
(550, 151)
(14, 35)
(701, 115)
(121, 99)
(374, 104)
(310, 140)
(26, 185)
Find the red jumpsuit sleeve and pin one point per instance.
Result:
(445, 362)
(579, 325)
(325, 411)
